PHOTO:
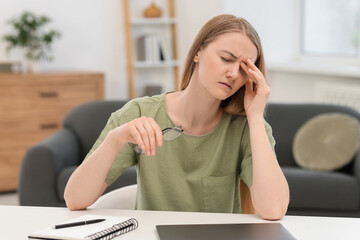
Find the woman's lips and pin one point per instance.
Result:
(226, 84)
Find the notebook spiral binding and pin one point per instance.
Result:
(115, 230)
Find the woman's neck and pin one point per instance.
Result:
(197, 111)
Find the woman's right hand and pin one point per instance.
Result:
(142, 131)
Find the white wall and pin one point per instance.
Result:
(193, 14)
(93, 34)
(277, 23)
(93, 37)
(294, 77)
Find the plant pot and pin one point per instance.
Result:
(33, 66)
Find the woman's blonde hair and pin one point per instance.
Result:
(213, 28)
(235, 104)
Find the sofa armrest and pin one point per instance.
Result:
(42, 163)
(357, 166)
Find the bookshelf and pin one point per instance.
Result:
(151, 46)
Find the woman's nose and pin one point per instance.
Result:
(233, 72)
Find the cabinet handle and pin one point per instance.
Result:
(49, 126)
(48, 94)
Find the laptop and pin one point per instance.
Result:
(248, 231)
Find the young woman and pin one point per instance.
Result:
(224, 159)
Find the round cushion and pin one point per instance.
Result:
(327, 141)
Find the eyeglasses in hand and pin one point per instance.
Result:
(169, 134)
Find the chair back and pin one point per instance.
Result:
(121, 198)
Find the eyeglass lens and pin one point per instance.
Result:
(170, 134)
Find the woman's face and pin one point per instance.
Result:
(218, 64)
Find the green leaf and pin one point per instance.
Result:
(29, 34)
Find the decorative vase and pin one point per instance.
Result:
(152, 11)
(33, 66)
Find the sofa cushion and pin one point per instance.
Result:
(327, 141)
(311, 189)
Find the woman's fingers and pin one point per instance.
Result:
(154, 133)
(137, 137)
(139, 125)
(252, 71)
(249, 86)
(252, 66)
(257, 76)
(158, 132)
(150, 139)
(147, 134)
(250, 75)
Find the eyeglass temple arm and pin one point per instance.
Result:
(176, 128)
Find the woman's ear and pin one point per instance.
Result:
(196, 57)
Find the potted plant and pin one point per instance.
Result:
(29, 35)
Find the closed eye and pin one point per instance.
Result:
(225, 59)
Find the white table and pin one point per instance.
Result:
(17, 222)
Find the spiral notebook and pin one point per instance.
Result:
(112, 227)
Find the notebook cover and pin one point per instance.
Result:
(78, 232)
(248, 231)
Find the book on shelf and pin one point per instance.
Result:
(165, 47)
(109, 228)
(153, 48)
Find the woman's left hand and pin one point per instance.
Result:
(256, 95)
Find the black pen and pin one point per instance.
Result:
(73, 224)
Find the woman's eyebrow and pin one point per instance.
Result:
(230, 53)
(234, 56)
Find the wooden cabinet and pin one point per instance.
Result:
(159, 29)
(32, 107)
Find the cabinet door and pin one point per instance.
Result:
(32, 108)
(23, 129)
(10, 160)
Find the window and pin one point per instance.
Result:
(331, 28)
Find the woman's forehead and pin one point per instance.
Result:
(236, 44)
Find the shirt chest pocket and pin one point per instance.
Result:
(219, 193)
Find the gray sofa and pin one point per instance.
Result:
(47, 166)
(314, 193)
